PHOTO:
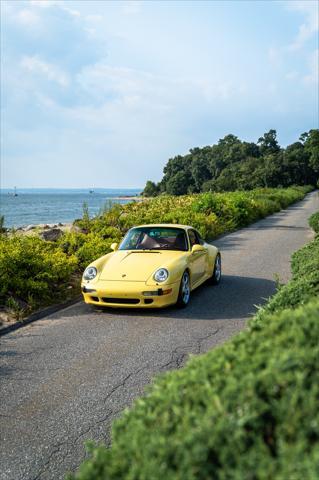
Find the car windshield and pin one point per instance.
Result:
(155, 238)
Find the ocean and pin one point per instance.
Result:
(45, 205)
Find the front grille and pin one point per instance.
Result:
(124, 301)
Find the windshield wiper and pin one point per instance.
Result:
(139, 251)
(147, 250)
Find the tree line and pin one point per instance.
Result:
(232, 164)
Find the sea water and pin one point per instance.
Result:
(35, 206)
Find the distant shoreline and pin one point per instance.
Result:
(65, 226)
(38, 208)
(128, 198)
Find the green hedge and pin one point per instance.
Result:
(211, 213)
(33, 270)
(314, 222)
(304, 284)
(248, 409)
(88, 247)
(245, 410)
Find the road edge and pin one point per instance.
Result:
(39, 315)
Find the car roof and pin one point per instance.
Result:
(171, 225)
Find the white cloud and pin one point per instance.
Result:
(27, 17)
(141, 89)
(310, 10)
(52, 72)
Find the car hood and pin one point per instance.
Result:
(135, 266)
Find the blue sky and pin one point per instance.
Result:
(102, 93)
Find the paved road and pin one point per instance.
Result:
(65, 377)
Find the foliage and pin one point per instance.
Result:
(88, 247)
(304, 284)
(314, 222)
(150, 190)
(2, 227)
(32, 267)
(16, 309)
(245, 410)
(232, 164)
(212, 214)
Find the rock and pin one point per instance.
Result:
(5, 317)
(29, 227)
(46, 226)
(76, 229)
(60, 224)
(51, 235)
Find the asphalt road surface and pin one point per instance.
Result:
(64, 378)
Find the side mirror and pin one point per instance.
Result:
(114, 246)
(197, 248)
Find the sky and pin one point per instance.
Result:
(103, 93)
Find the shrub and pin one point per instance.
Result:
(247, 409)
(314, 222)
(211, 213)
(32, 267)
(304, 284)
(2, 227)
(88, 247)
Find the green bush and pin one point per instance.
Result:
(32, 268)
(248, 409)
(314, 222)
(88, 247)
(211, 213)
(304, 284)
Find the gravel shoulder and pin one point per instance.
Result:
(65, 377)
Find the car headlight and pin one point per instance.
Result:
(161, 275)
(90, 273)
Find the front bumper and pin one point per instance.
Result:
(129, 294)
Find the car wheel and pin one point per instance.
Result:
(184, 291)
(217, 274)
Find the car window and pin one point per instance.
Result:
(155, 238)
(201, 241)
(193, 238)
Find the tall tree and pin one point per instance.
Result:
(268, 143)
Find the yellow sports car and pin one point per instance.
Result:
(154, 266)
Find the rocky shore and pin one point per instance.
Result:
(47, 231)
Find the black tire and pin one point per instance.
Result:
(184, 291)
(217, 273)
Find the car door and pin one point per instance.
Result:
(198, 260)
